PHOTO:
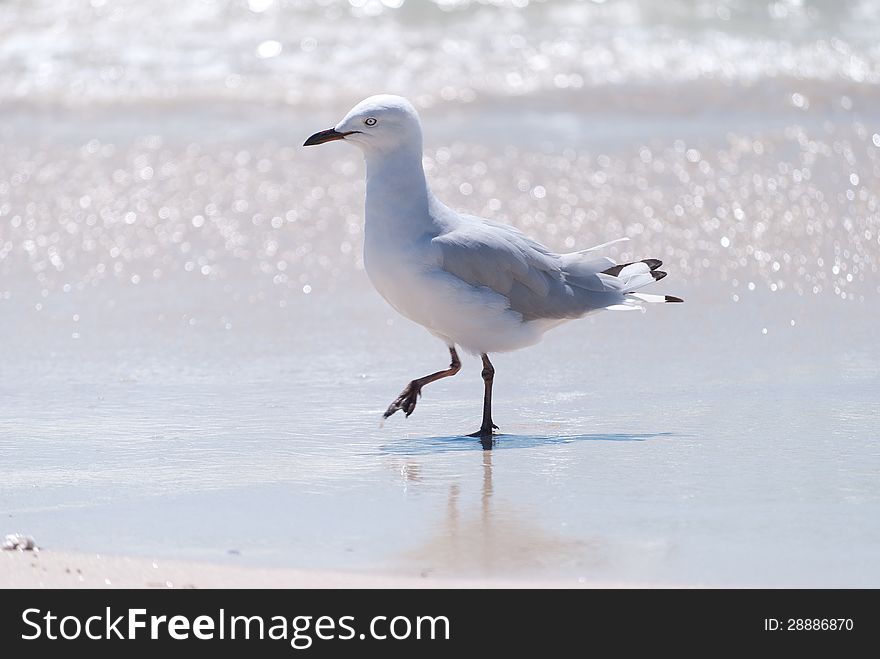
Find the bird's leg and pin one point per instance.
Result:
(407, 399)
(488, 374)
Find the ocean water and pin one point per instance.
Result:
(194, 364)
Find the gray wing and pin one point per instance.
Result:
(533, 279)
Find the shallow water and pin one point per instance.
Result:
(681, 446)
(194, 364)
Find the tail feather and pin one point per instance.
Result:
(603, 245)
(617, 281)
(655, 299)
(634, 267)
(635, 282)
(635, 275)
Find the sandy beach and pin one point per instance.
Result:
(51, 569)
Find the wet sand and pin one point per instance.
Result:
(51, 569)
(671, 460)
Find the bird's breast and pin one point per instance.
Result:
(407, 275)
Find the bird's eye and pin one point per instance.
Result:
(370, 121)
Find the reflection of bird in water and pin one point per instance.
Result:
(495, 539)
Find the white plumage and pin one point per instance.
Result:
(471, 282)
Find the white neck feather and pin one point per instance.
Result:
(397, 193)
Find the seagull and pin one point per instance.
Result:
(473, 283)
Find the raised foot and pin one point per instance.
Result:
(485, 432)
(406, 401)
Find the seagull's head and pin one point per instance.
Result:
(381, 123)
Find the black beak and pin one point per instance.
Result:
(325, 136)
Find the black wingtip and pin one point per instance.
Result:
(614, 270)
(658, 274)
(672, 298)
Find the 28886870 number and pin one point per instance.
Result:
(819, 624)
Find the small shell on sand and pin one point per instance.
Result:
(17, 541)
